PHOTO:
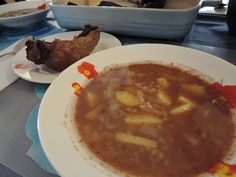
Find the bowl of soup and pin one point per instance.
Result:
(141, 110)
(23, 14)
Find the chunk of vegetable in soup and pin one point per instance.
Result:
(154, 121)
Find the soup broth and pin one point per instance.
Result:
(18, 12)
(155, 121)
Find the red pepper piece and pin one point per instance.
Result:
(228, 92)
(42, 7)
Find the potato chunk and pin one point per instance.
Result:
(92, 98)
(137, 140)
(183, 99)
(127, 98)
(163, 98)
(184, 108)
(193, 89)
(94, 112)
(163, 82)
(142, 118)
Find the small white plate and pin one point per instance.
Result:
(27, 70)
(55, 136)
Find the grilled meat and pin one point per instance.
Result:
(59, 54)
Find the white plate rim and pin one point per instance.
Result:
(177, 52)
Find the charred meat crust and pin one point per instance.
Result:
(37, 51)
(87, 30)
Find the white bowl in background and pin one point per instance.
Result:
(172, 22)
(23, 20)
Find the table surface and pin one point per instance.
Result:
(18, 99)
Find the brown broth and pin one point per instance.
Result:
(182, 145)
(18, 12)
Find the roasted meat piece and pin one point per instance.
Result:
(59, 54)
